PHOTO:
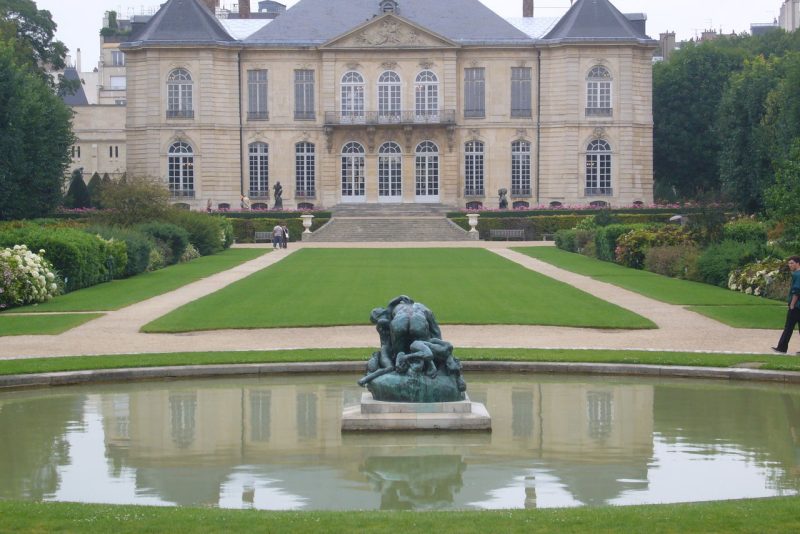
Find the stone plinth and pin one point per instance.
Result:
(380, 415)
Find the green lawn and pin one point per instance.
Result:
(19, 325)
(696, 359)
(742, 516)
(120, 293)
(324, 287)
(729, 307)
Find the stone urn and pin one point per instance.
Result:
(307, 223)
(472, 218)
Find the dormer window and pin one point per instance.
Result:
(388, 6)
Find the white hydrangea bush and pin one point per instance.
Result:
(25, 277)
(766, 278)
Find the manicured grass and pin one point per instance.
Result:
(120, 293)
(324, 287)
(765, 317)
(82, 363)
(756, 516)
(18, 325)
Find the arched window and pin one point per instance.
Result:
(179, 95)
(305, 206)
(304, 170)
(598, 92)
(390, 172)
(352, 97)
(521, 205)
(259, 206)
(180, 169)
(426, 89)
(521, 168)
(598, 168)
(259, 170)
(427, 171)
(475, 205)
(353, 184)
(556, 205)
(389, 97)
(473, 169)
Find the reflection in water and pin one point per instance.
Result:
(275, 443)
(415, 482)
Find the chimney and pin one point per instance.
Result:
(244, 9)
(78, 62)
(527, 8)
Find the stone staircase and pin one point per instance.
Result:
(389, 223)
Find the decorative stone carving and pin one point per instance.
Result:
(329, 138)
(389, 33)
(522, 132)
(599, 132)
(407, 131)
(353, 65)
(426, 64)
(371, 138)
(451, 138)
(389, 65)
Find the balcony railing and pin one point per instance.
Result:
(180, 113)
(258, 115)
(377, 118)
(598, 191)
(599, 112)
(181, 193)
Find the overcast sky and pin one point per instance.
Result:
(79, 21)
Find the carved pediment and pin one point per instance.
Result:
(389, 31)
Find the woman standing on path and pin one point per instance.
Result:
(793, 314)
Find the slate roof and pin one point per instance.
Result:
(315, 22)
(78, 98)
(594, 20)
(182, 22)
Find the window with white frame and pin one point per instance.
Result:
(304, 170)
(427, 169)
(598, 168)
(521, 92)
(118, 83)
(520, 168)
(259, 169)
(352, 101)
(390, 170)
(426, 101)
(180, 169)
(353, 160)
(598, 92)
(117, 58)
(257, 95)
(180, 89)
(304, 94)
(473, 169)
(389, 97)
(474, 93)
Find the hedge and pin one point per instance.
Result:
(137, 247)
(174, 238)
(263, 214)
(244, 229)
(515, 214)
(208, 233)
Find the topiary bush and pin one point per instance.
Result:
(717, 261)
(632, 246)
(172, 237)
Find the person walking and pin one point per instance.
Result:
(277, 236)
(285, 237)
(793, 313)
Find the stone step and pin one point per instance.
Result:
(396, 229)
(391, 210)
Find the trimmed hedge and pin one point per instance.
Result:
(79, 257)
(717, 261)
(244, 229)
(259, 214)
(174, 238)
(515, 214)
(745, 230)
(605, 238)
(137, 247)
(208, 233)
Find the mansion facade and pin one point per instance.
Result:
(369, 101)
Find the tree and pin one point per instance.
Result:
(135, 200)
(34, 31)
(95, 184)
(744, 157)
(782, 198)
(34, 140)
(78, 193)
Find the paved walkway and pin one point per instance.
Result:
(117, 332)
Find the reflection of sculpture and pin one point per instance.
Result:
(413, 364)
(416, 482)
(278, 191)
(503, 199)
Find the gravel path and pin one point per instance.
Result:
(117, 332)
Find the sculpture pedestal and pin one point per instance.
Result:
(380, 415)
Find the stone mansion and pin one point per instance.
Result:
(383, 101)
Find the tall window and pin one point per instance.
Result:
(598, 168)
(521, 168)
(390, 171)
(352, 97)
(304, 94)
(427, 169)
(389, 97)
(426, 91)
(473, 168)
(304, 170)
(179, 95)
(259, 169)
(598, 92)
(117, 58)
(474, 93)
(353, 170)
(180, 169)
(257, 95)
(520, 92)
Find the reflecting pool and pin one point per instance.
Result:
(274, 443)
